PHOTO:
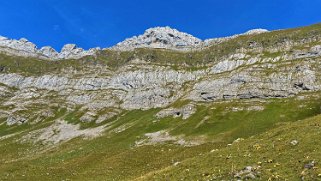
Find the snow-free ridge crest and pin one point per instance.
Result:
(158, 37)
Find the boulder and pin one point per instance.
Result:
(12, 120)
(185, 112)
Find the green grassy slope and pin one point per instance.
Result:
(114, 156)
(271, 153)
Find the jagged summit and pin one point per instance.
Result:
(160, 37)
(25, 48)
(21, 45)
(169, 38)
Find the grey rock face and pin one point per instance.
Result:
(88, 117)
(168, 38)
(126, 80)
(256, 31)
(231, 64)
(145, 88)
(11, 120)
(313, 52)
(71, 51)
(22, 44)
(160, 37)
(252, 83)
(108, 116)
(49, 52)
(239, 76)
(185, 112)
(104, 94)
(25, 48)
(18, 47)
(61, 131)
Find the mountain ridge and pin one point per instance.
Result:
(157, 37)
(228, 111)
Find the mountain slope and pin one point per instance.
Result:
(289, 152)
(140, 113)
(126, 150)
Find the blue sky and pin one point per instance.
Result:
(91, 23)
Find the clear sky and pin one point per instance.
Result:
(91, 23)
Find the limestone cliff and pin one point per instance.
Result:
(251, 70)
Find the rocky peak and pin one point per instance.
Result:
(25, 48)
(49, 52)
(169, 38)
(69, 47)
(73, 52)
(160, 37)
(2, 38)
(256, 31)
(21, 45)
(24, 40)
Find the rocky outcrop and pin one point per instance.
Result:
(185, 112)
(25, 48)
(12, 120)
(71, 51)
(88, 117)
(214, 41)
(49, 52)
(240, 75)
(168, 38)
(314, 51)
(248, 173)
(129, 80)
(61, 131)
(157, 87)
(100, 92)
(160, 37)
(255, 83)
(233, 62)
(161, 137)
(134, 88)
(255, 31)
(20, 47)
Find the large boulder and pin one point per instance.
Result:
(12, 120)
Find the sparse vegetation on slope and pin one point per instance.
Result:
(289, 152)
(115, 156)
(247, 107)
